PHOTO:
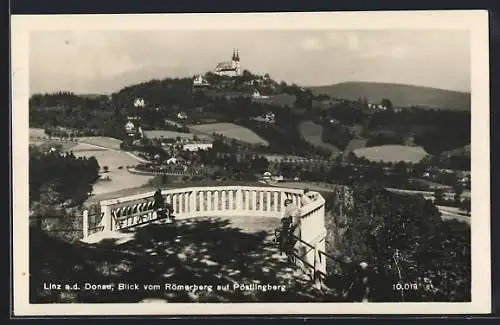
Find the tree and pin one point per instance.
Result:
(387, 103)
(105, 169)
(385, 229)
(439, 196)
(458, 189)
(466, 206)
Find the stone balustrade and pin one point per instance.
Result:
(224, 201)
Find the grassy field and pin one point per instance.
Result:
(283, 99)
(355, 144)
(120, 178)
(230, 130)
(37, 133)
(392, 153)
(312, 132)
(151, 134)
(105, 142)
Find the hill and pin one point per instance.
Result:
(399, 94)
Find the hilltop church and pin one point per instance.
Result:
(229, 68)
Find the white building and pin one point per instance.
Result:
(182, 116)
(199, 81)
(256, 95)
(267, 176)
(130, 128)
(195, 146)
(139, 102)
(229, 68)
(172, 160)
(379, 107)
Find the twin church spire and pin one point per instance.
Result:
(236, 55)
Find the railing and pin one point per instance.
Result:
(224, 201)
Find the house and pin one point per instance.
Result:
(182, 116)
(256, 95)
(195, 146)
(199, 81)
(266, 176)
(377, 107)
(277, 179)
(171, 161)
(130, 128)
(139, 102)
(269, 178)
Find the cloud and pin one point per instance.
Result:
(311, 44)
(101, 61)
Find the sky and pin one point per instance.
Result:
(106, 61)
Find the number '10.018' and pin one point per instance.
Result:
(404, 286)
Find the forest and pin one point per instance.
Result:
(403, 240)
(56, 179)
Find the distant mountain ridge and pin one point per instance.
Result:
(400, 95)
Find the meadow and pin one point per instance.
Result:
(36, 133)
(106, 142)
(230, 130)
(312, 133)
(392, 153)
(156, 134)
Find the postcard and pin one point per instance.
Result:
(254, 163)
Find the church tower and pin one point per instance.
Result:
(236, 62)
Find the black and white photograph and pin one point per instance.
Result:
(251, 163)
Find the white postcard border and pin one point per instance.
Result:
(475, 21)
